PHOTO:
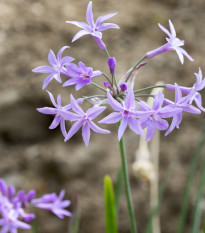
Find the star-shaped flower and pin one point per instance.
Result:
(57, 111)
(173, 43)
(53, 203)
(80, 75)
(126, 113)
(198, 86)
(91, 27)
(85, 120)
(182, 105)
(154, 120)
(56, 66)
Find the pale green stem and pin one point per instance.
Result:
(148, 88)
(98, 86)
(139, 61)
(127, 187)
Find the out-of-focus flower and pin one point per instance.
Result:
(94, 28)
(56, 66)
(80, 75)
(53, 203)
(15, 208)
(85, 120)
(173, 43)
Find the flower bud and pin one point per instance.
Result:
(112, 63)
(107, 84)
(123, 87)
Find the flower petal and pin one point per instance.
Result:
(75, 127)
(47, 110)
(97, 129)
(82, 25)
(130, 100)
(44, 69)
(103, 18)
(94, 112)
(106, 26)
(47, 80)
(80, 34)
(123, 126)
(59, 56)
(135, 126)
(52, 99)
(52, 58)
(151, 128)
(172, 29)
(55, 122)
(89, 15)
(114, 104)
(75, 106)
(112, 118)
(86, 133)
(164, 30)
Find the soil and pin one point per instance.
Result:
(34, 157)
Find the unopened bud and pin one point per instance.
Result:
(112, 63)
(107, 85)
(123, 87)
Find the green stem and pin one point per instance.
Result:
(96, 85)
(127, 187)
(139, 61)
(189, 182)
(148, 88)
(106, 51)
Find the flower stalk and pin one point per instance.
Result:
(127, 186)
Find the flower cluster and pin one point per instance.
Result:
(128, 107)
(15, 207)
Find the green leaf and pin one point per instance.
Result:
(110, 213)
(191, 175)
(74, 222)
(198, 210)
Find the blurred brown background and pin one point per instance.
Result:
(32, 156)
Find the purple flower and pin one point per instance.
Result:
(85, 120)
(53, 203)
(56, 68)
(154, 120)
(112, 64)
(14, 208)
(173, 43)
(57, 111)
(126, 113)
(93, 28)
(80, 75)
(181, 104)
(198, 86)
(10, 221)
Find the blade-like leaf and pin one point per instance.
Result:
(198, 210)
(191, 175)
(110, 213)
(74, 222)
